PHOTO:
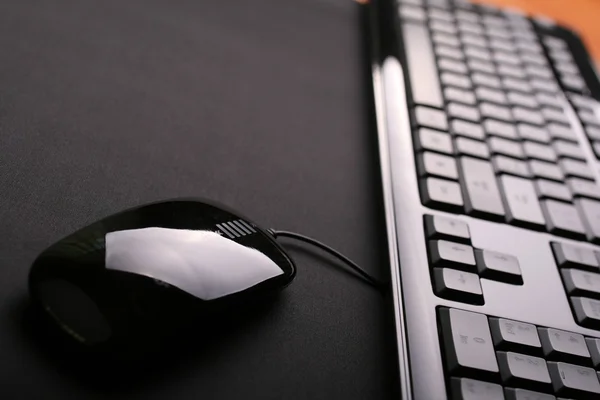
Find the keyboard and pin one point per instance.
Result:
(488, 125)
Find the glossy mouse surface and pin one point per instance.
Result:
(132, 276)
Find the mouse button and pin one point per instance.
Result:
(74, 311)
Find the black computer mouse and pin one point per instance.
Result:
(124, 281)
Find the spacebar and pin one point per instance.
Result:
(422, 71)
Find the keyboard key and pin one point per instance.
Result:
(437, 165)
(592, 132)
(553, 114)
(546, 85)
(520, 99)
(583, 102)
(422, 72)
(524, 371)
(489, 110)
(588, 117)
(409, 12)
(504, 45)
(441, 27)
(468, 344)
(470, 389)
(450, 65)
(539, 151)
(502, 57)
(566, 67)
(491, 81)
(498, 266)
(574, 380)
(548, 99)
(459, 95)
(536, 71)
(507, 165)
(590, 212)
(530, 132)
(468, 27)
(431, 118)
(469, 147)
(515, 336)
(474, 40)
(581, 283)
(457, 80)
(483, 196)
(528, 116)
(524, 394)
(462, 111)
(457, 285)
(428, 139)
(594, 348)
(558, 131)
(441, 15)
(506, 147)
(587, 312)
(543, 169)
(481, 66)
(576, 168)
(443, 253)
(567, 149)
(498, 128)
(565, 346)
(554, 43)
(584, 188)
(467, 16)
(519, 85)
(553, 190)
(493, 95)
(445, 39)
(477, 52)
(535, 59)
(522, 206)
(448, 51)
(568, 255)
(562, 219)
(438, 227)
(441, 193)
(465, 128)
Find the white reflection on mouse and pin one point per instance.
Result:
(202, 263)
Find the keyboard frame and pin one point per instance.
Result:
(421, 368)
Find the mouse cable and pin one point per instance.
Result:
(363, 274)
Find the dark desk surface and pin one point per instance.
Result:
(261, 105)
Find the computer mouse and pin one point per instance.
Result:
(123, 282)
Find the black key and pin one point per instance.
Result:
(562, 219)
(570, 256)
(521, 202)
(471, 147)
(584, 188)
(480, 187)
(428, 139)
(507, 165)
(587, 311)
(441, 193)
(459, 95)
(524, 371)
(457, 285)
(564, 346)
(574, 380)
(546, 170)
(464, 112)
(594, 348)
(438, 227)
(498, 128)
(506, 147)
(438, 165)
(423, 74)
(581, 283)
(569, 150)
(524, 394)
(470, 389)
(539, 151)
(431, 118)
(590, 212)
(531, 132)
(515, 336)
(558, 131)
(553, 190)
(443, 253)
(468, 344)
(498, 267)
(468, 129)
(576, 168)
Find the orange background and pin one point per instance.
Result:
(583, 16)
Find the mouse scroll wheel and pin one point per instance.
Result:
(235, 229)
